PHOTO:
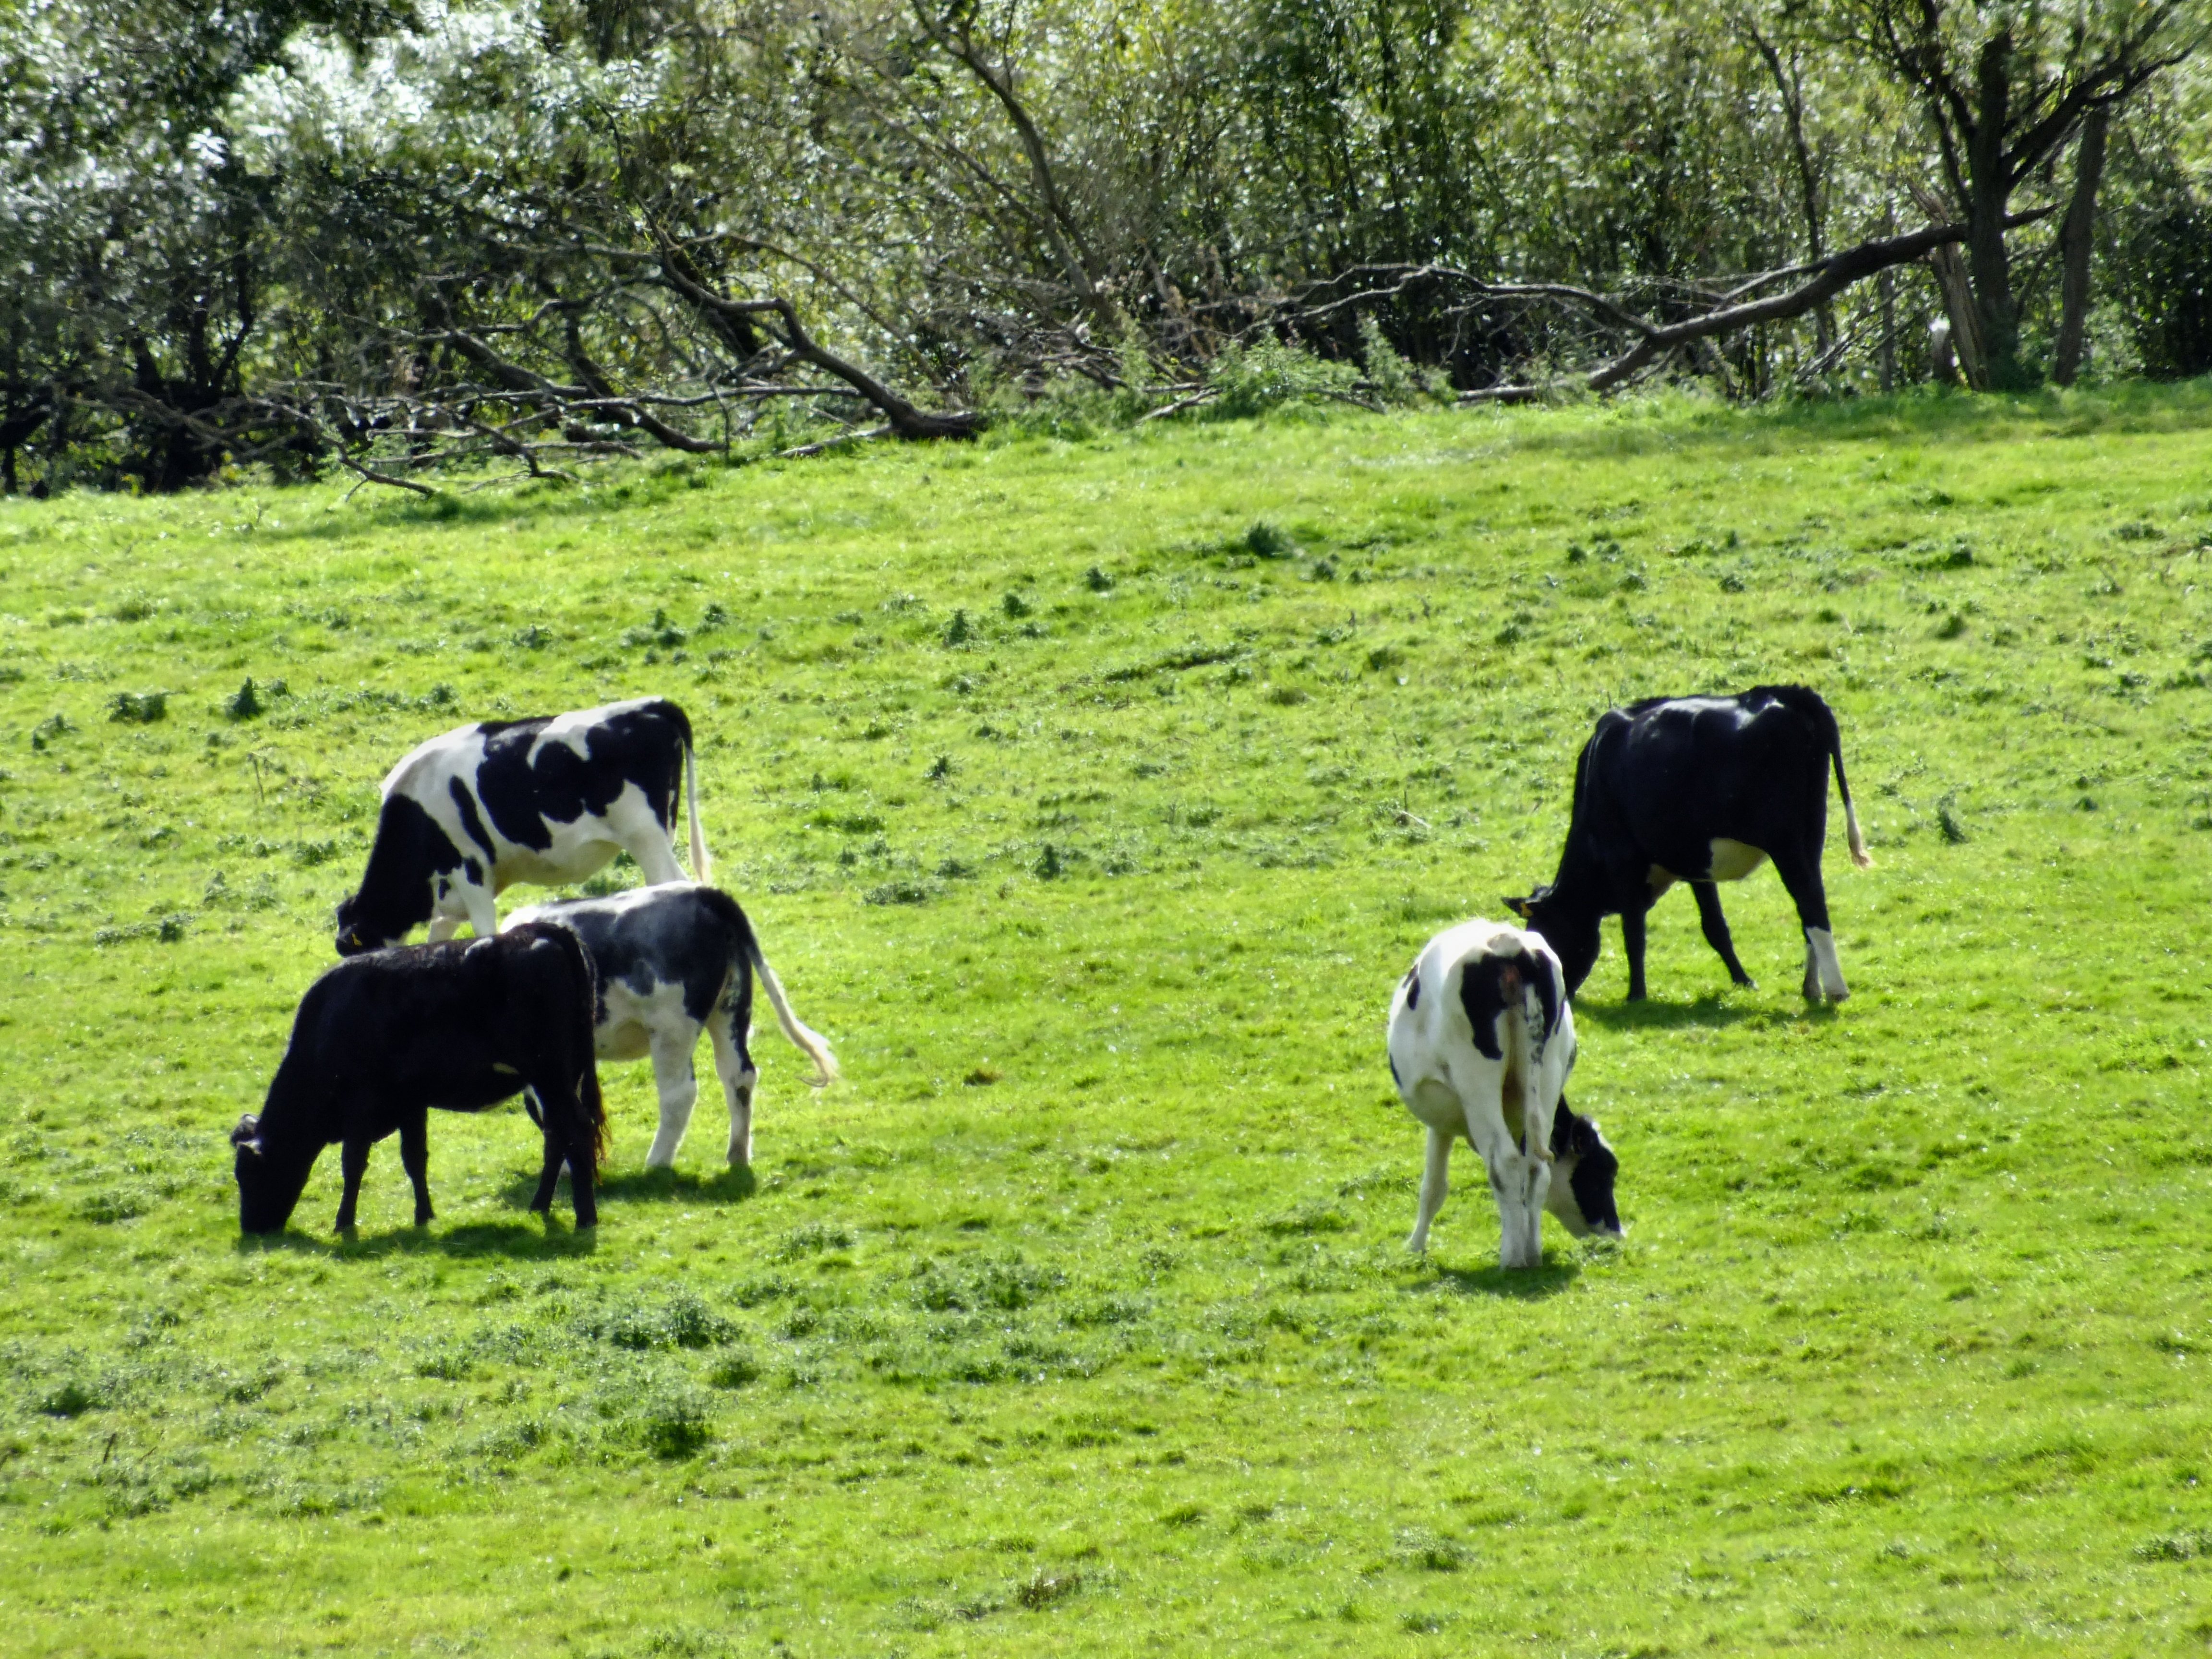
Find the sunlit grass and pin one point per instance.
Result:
(1092, 795)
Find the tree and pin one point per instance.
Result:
(2002, 87)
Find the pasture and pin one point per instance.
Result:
(1091, 793)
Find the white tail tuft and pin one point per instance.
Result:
(1860, 856)
(808, 1042)
(702, 869)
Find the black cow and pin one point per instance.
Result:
(1701, 790)
(673, 961)
(382, 1038)
(547, 800)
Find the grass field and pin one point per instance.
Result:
(1091, 793)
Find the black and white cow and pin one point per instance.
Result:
(671, 960)
(1701, 790)
(1481, 1042)
(548, 800)
(382, 1038)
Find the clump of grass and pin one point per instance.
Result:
(959, 630)
(1014, 605)
(1098, 581)
(138, 707)
(245, 703)
(1266, 541)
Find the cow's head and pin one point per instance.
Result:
(269, 1179)
(357, 933)
(396, 896)
(1583, 1170)
(1570, 931)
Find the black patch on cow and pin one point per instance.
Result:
(467, 807)
(1413, 986)
(1595, 1167)
(1481, 994)
(1395, 1079)
(473, 871)
(643, 746)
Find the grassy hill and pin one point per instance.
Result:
(1091, 793)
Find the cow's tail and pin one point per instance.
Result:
(586, 978)
(1521, 1045)
(702, 869)
(808, 1042)
(1860, 856)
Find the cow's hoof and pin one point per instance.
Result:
(1840, 996)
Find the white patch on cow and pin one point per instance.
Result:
(1733, 861)
(1455, 1089)
(1823, 966)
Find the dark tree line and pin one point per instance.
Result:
(390, 236)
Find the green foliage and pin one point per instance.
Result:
(1076, 1316)
(1250, 380)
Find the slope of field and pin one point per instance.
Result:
(1091, 793)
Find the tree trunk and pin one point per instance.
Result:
(1989, 186)
(2075, 239)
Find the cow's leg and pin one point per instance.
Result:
(654, 854)
(415, 1158)
(1717, 929)
(1632, 941)
(672, 1075)
(1435, 1182)
(568, 1140)
(1824, 972)
(353, 1163)
(733, 1064)
(548, 1175)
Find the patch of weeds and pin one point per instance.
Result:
(1184, 1516)
(959, 631)
(939, 769)
(1015, 606)
(1098, 581)
(138, 707)
(73, 1397)
(54, 725)
(675, 1423)
(536, 637)
(1048, 866)
(813, 1239)
(898, 892)
(735, 1371)
(1947, 821)
(1042, 1589)
(1266, 541)
(245, 703)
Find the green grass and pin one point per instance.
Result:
(1091, 796)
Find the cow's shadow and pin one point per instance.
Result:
(1706, 1012)
(1516, 1284)
(723, 1186)
(538, 1238)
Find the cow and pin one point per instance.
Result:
(669, 961)
(548, 800)
(1702, 790)
(1481, 1042)
(382, 1038)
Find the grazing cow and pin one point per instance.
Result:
(671, 960)
(382, 1038)
(547, 800)
(1701, 790)
(1481, 1042)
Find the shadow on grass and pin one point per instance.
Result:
(725, 1185)
(537, 1239)
(1517, 1284)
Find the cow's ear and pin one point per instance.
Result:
(1519, 907)
(248, 1134)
